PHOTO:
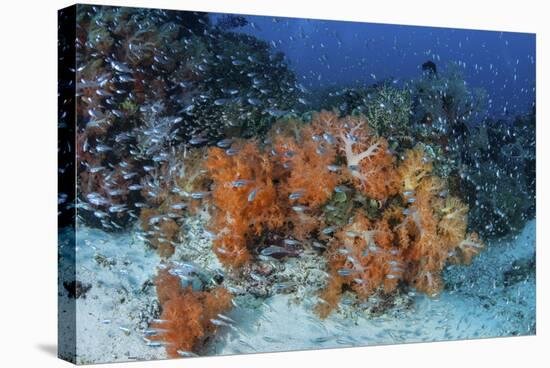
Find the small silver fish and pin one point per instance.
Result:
(135, 187)
(254, 101)
(159, 321)
(221, 101)
(274, 249)
(297, 195)
(225, 143)
(154, 344)
(240, 183)
(117, 208)
(198, 140)
(342, 189)
(276, 112)
(199, 195)
(231, 151)
(103, 148)
(252, 195)
(328, 230)
(318, 245)
(345, 272)
(225, 318)
(219, 322)
(329, 138)
(186, 354)
(291, 242)
(120, 67)
(178, 206)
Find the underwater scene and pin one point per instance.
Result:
(233, 184)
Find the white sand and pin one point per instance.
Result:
(476, 306)
(481, 308)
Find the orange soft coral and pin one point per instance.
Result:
(308, 165)
(186, 319)
(369, 163)
(413, 169)
(412, 241)
(246, 200)
(362, 256)
(283, 186)
(434, 226)
(467, 249)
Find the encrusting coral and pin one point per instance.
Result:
(188, 317)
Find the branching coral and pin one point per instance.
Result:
(188, 317)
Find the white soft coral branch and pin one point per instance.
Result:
(353, 159)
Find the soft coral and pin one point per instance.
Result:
(245, 197)
(186, 319)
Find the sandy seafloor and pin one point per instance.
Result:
(494, 296)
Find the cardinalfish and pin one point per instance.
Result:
(274, 250)
(345, 272)
(241, 183)
(231, 151)
(329, 138)
(225, 143)
(198, 140)
(328, 230)
(342, 189)
(252, 194)
(299, 208)
(199, 195)
(297, 195)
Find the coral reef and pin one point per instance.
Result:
(188, 317)
(246, 199)
(411, 242)
(496, 174)
(287, 186)
(151, 81)
(168, 193)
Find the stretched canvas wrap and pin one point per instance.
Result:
(233, 184)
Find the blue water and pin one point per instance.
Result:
(326, 53)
